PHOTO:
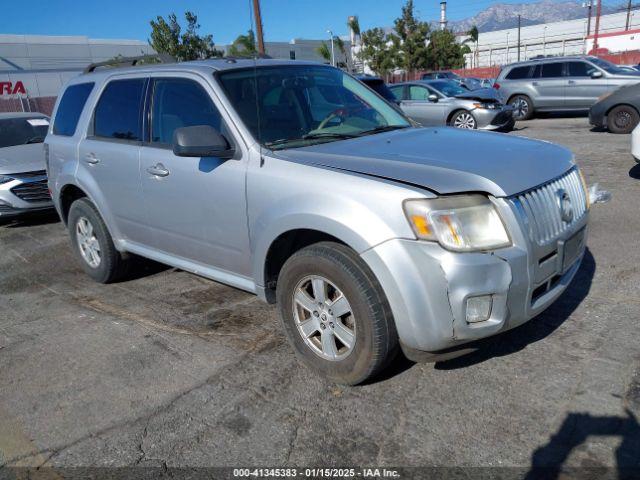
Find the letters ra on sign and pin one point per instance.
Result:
(10, 88)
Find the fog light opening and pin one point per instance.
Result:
(479, 308)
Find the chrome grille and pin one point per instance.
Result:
(37, 173)
(32, 192)
(540, 208)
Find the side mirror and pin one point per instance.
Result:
(596, 74)
(201, 141)
(433, 98)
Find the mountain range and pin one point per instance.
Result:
(505, 15)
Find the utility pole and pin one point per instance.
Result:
(628, 15)
(256, 12)
(595, 39)
(519, 25)
(589, 5)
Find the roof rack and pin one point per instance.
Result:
(130, 61)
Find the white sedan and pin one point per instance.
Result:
(635, 143)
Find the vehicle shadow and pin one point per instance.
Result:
(634, 172)
(31, 219)
(547, 461)
(535, 330)
(567, 114)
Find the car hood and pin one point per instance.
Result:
(444, 160)
(22, 158)
(482, 94)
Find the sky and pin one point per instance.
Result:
(225, 19)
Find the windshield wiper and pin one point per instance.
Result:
(329, 135)
(385, 128)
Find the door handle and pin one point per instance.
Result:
(535, 84)
(91, 159)
(158, 170)
(572, 82)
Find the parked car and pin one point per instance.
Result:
(635, 143)
(443, 102)
(294, 181)
(23, 179)
(617, 110)
(377, 85)
(559, 84)
(440, 75)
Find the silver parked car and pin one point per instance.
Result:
(296, 182)
(23, 179)
(444, 102)
(559, 84)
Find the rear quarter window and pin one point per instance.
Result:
(70, 108)
(518, 73)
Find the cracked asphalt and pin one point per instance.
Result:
(169, 369)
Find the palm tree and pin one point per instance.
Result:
(474, 35)
(244, 45)
(324, 51)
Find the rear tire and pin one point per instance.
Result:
(335, 313)
(92, 244)
(622, 119)
(522, 107)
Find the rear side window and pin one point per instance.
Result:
(518, 73)
(180, 103)
(550, 70)
(119, 110)
(70, 108)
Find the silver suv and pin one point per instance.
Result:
(296, 182)
(559, 84)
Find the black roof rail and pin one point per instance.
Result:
(130, 61)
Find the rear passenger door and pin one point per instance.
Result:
(582, 90)
(196, 206)
(550, 84)
(109, 156)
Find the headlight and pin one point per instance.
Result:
(488, 105)
(5, 179)
(460, 223)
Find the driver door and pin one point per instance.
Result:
(196, 206)
(424, 111)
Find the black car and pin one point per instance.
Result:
(618, 110)
(377, 84)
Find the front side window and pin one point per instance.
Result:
(397, 92)
(551, 70)
(118, 114)
(418, 93)
(22, 131)
(70, 107)
(579, 69)
(180, 103)
(296, 106)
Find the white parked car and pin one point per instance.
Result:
(635, 143)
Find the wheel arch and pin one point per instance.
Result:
(454, 112)
(69, 193)
(622, 104)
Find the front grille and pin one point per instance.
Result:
(37, 173)
(541, 211)
(32, 192)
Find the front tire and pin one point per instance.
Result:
(92, 244)
(464, 120)
(522, 107)
(335, 313)
(622, 119)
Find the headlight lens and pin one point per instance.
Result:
(459, 223)
(5, 179)
(488, 105)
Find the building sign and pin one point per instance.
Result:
(11, 88)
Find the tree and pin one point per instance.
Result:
(444, 51)
(167, 37)
(324, 51)
(244, 46)
(379, 51)
(412, 35)
(474, 35)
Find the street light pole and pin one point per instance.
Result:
(333, 52)
(544, 42)
(519, 25)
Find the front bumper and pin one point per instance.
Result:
(597, 116)
(428, 286)
(24, 195)
(495, 119)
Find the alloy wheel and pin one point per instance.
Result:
(88, 242)
(465, 120)
(520, 108)
(324, 318)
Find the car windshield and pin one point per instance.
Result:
(448, 88)
(610, 67)
(296, 106)
(21, 131)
